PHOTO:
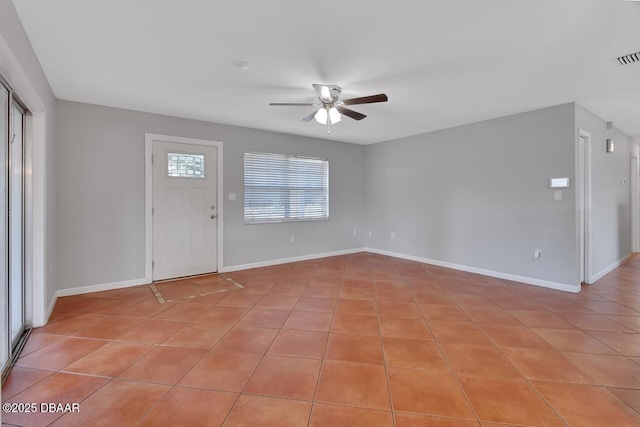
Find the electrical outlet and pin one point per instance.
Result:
(355, 232)
(393, 234)
(292, 238)
(370, 234)
(537, 254)
(232, 196)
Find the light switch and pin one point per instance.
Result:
(557, 195)
(232, 196)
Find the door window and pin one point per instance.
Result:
(185, 165)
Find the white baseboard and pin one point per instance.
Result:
(497, 274)
(88, 289)
(143, 281)
(49, 310)
(482, 271)
(609, 269)
(288, 260)
(100, 287)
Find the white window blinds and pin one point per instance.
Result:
(280, 188)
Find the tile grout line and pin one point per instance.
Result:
(451, 370)
(525, 378)
(529, 296)
(172, 387)
(242, 392)
(384, 357)
(602, 386)
(518, 370)
(507, 359)
(324, 352)
(199, 360)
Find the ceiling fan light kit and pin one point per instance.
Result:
(331, 110)
(328, 114)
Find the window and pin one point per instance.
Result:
(185, 165)
(280, 188)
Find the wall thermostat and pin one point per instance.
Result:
(559, 182)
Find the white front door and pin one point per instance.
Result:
(184, 209)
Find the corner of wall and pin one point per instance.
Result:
(20, 65)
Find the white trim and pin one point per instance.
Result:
(143, 281)
(587, 261)
(88, 289)
(39, 284)
(49, 310)
(35, 248)
(497, 274)
(100, 287)
(29, 296)
(635, 203)
(148, 195)
(292, 259)
(609, 269)
(482, 271)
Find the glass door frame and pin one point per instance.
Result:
(15, 103)
(15, 343)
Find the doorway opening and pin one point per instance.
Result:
(184, 204)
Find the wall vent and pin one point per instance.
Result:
(629, 59)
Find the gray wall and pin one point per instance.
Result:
(610, 198)
(20, 66)
(100, 193)
(478, 195)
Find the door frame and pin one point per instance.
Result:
(635, 202)
(15, 102)
(39, 263)
(17, 342)
(583, 197)
(148, 196)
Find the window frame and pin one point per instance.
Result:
(286, 218)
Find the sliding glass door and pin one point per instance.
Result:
(12, 294)
(16, 223)
(4, 228)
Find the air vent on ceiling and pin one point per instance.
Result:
(629, 59)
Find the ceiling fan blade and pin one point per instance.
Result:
(350, 113)
(366, 99)
(309, 117)
(327, 93)
(289, 104)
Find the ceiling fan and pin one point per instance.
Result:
(331, 110)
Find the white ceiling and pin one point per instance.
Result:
(441, 62)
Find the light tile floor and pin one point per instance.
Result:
(360, 340)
